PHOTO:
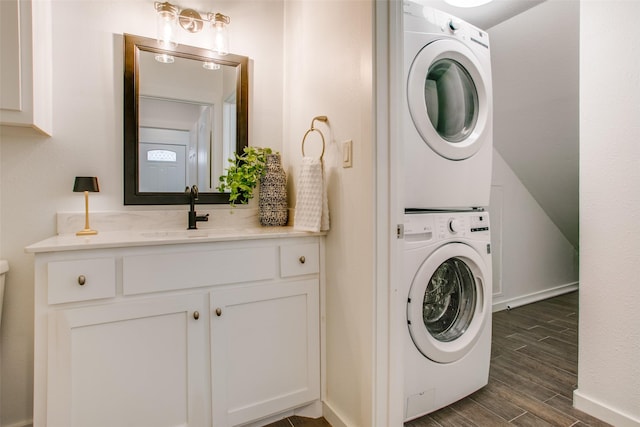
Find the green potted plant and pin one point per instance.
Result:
(243, 174)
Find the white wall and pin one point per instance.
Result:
(329, 72)
(532, 259)
(609, 351)
(37, 173)
(534, 58)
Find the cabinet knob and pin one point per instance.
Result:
(302, 259)
(218, 311)
(82, 280)
(196, 315)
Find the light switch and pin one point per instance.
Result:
(347, 154)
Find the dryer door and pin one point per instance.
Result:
(448, 98)
(448, 303)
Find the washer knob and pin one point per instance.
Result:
(454, 25)
(455, 225)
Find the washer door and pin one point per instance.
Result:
(447, 303)
(448, 99)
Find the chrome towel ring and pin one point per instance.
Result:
(311, 129)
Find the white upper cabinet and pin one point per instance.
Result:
(25, 64)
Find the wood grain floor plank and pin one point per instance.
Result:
(523, 385)
(541, 355)
(565, 405)
(540, 409)
(447, 417)
(490, 399)
(425, 421)
(553, 347)
(478, 414)
(555, 379)
(539, 332)
(530, 420)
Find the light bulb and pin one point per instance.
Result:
(210, 66)
(164, 58)
(166, 24)
(220, 33)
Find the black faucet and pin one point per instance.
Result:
(193, 217)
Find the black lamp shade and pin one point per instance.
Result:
(86, 183)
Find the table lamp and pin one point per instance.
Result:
(86, 184)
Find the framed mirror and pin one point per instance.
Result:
(185, 114)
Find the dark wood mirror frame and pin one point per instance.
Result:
(132, 46)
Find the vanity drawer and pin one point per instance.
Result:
(81, 280)
(184, 270)
(300, 259)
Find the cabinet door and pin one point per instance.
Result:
(265, 350)
(143, 363)
(25, 64)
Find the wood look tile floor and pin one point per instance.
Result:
(534, 367)
(534, 370)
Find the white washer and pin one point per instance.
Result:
(447, 283)
(447, 111)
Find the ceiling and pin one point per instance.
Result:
(488, 15)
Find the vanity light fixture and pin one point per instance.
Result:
(169, 16)
(166, 21)
(86, 184)
(219, 24)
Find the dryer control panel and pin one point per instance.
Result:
(421, 18)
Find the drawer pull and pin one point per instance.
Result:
(82, 280)
(196, 315)
(302, 259)
(218, 312)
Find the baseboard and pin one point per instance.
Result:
(534, 297)
(312, 410)
(332, 416)
(603, 411)
(25, 423)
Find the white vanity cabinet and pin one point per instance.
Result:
(129, 364)
(265, 350)
(210, 333)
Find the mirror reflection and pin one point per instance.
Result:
(185, 115)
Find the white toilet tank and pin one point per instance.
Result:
(4, 267)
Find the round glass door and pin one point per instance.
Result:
(449, 300)
(448, 305)
(452, 100)
(449, 99)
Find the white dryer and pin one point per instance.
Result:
(447, 284)
(447, 111)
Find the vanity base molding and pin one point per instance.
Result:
(195, 334)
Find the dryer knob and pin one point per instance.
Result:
(455, 225)
(454, 25)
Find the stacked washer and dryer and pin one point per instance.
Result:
(448, 139)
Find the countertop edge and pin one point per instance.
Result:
(120, 239)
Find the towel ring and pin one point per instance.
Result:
(311, 129)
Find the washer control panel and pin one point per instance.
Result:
(446, 225)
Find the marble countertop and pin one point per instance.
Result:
(129, 238)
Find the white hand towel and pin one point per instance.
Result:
(312, 206)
